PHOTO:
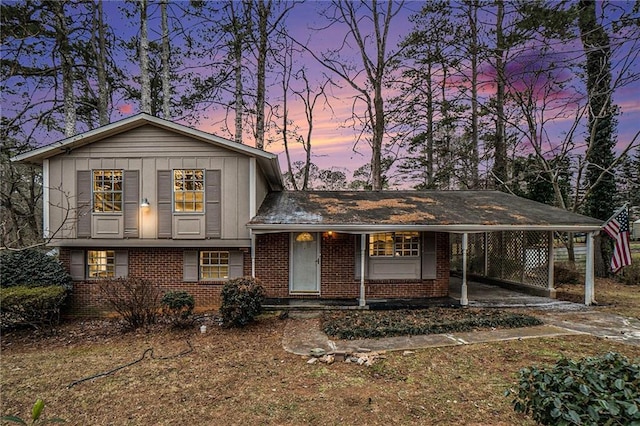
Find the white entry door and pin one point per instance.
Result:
(304, 273)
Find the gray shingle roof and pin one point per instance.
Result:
(458, 211)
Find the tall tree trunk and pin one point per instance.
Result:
(600, 200)
(145, 80)
(66, 67)
(264, 10)
(500, 156)
(238, 40)
(430, 117)
(166, 53)
(98, 37)
(475, 157)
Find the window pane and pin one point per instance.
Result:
(101, 263)
(214, 265)
(107, 191)
(188, 188)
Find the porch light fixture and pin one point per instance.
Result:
(144, 203)
(304, 237)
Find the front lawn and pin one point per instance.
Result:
(374, 324)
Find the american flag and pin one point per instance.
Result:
(618, 228)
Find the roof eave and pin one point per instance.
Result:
(458, 228)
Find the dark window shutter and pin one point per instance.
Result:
(165, 198)
(212, 198)
(77, 266)
(83, 206)
(429, 258)
(190, 266)
(122, 263)
(236, 264)
(131, 203)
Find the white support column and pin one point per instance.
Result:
(550, 277)
(45, 199)
(486, 254)
(253, 254)
(363, 248)
(464, 300)
(589, 273)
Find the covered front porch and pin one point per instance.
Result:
(496, 236)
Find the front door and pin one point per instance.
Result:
(304, 276)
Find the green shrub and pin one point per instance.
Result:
(241, 301)
(136, 300)
(631, 273)
(178, 305)
(597, 390)
(566, 273)
(34, 306)
(32, 268)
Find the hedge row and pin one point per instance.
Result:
(34, 306)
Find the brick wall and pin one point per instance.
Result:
(161, 266)
(338, 279)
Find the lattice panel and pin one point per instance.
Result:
(517, 256)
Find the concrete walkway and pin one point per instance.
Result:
(561, 318)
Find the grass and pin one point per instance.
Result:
(237, 377)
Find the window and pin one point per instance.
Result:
(214, 265)
(102, 263)
(394, 244)
(188, 191)
(107, 191)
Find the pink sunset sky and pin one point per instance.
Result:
(334, 143)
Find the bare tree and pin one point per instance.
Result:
(377, 63)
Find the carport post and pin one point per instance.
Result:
(363, 242)
(464, 301)
(589, 273)
(550, 277)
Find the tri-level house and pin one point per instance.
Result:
(187, 210)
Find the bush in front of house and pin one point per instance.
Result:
(33, 306)
(595, 390)
(32, 268)
(178, 305)
(241, 301)
(136, 300)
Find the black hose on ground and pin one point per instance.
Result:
(144, 355)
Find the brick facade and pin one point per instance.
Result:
(164, 267)
(338, 278)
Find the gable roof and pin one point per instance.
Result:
(452, 211)
(267, 161)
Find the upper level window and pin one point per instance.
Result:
(101, 263)
(107, 191)
(214, 265)
(394, 244)
(188, 190)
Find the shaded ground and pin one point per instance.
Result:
(245, 377)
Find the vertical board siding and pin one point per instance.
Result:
(131, 188)
(83, 207)
(165, 208)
